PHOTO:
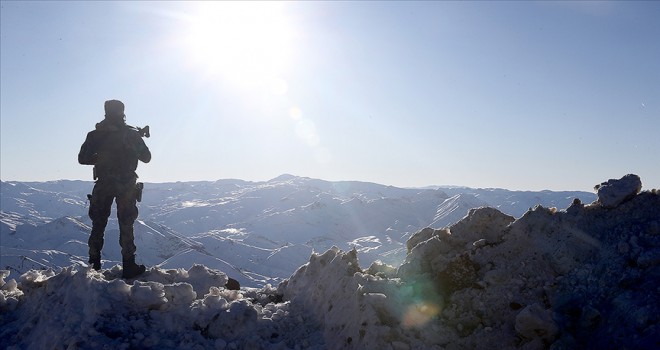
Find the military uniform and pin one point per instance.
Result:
(114, 149)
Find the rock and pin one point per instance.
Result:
(460, 273)
(535, 322)
(232, 284)
(419, 237)
(485, 222)
(614, 192)
(575, 207)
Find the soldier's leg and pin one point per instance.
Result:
(127, 212)
(99, 211)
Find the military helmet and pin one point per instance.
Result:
(114, 108)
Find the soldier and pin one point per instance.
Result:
(114, 149)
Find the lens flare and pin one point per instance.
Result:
(419, 314)
(295, 113)
(423, 303)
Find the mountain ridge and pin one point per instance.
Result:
(252, 223)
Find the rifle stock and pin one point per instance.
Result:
(144, 132)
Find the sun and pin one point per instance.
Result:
(248, 43)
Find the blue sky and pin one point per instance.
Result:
(519, 95)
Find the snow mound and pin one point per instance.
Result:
(163, 309)
(584, 277)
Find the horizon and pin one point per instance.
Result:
(513, 95)
(431, 186)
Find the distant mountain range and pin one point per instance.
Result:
(259, 231)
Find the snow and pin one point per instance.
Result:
(613, 192)
(583, 277)
(164, 309)
(257, 232)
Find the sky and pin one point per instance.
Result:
(516, 95)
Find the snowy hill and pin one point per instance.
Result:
(584, 277)
(258, 232)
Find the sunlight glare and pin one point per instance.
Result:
(295, 113)
(248, 43)
(279, 86)
(323, 156)
(306, 130)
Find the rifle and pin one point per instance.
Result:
(144, 132)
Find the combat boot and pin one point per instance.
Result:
(232, 284)
(131, 269)
(95, 262)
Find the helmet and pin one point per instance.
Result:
(114, 108)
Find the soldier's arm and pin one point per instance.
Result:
(87, 154)
(141, 148)
(144, 154)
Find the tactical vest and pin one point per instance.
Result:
(117, 151)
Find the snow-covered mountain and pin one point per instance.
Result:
(258, 232)
(583, 277)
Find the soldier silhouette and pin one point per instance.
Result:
(114, 149)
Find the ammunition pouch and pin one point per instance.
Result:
(139, 186)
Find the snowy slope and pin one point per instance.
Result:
(585, 277)
(516, 203)
(261, 230)
(58, 243)
(40, 202)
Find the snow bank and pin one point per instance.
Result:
(584, 277)
(163, 309)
